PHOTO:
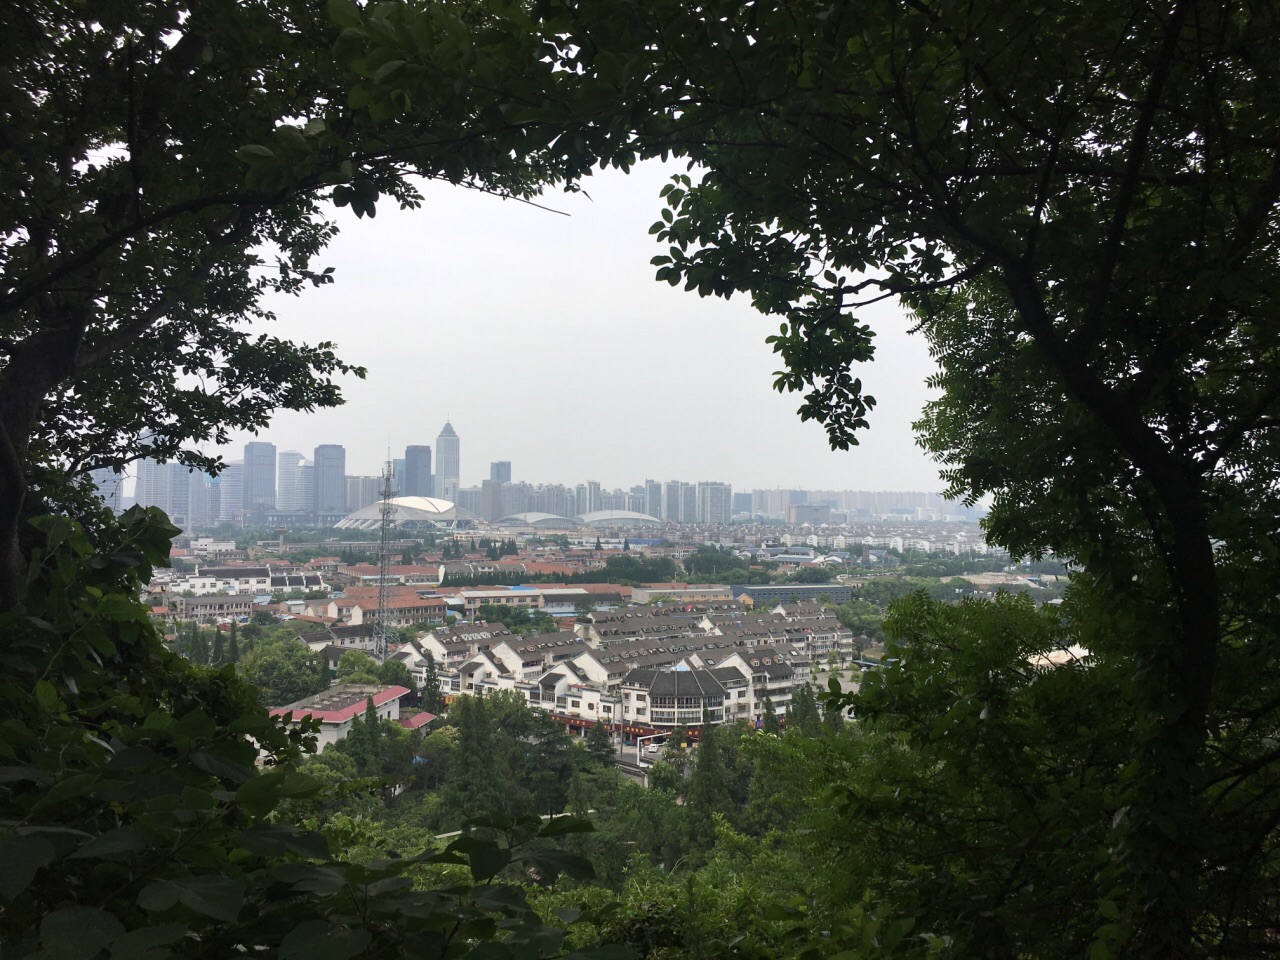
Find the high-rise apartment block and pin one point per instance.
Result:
(448, 463)
(500, 470)
(715, 502)
(417, 473)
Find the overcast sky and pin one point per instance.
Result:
(547, 342)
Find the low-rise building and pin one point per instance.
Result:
(338, 707)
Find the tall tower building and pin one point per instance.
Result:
(448, 461)
(500, 470)
(331, 479)
(259, 478)
(231, 497)
(417, 473)
(289, 492)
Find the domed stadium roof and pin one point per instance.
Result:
(549, 520)
(618, 518)
(411, 513)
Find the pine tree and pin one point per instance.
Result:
(218, 654)
(233, 644)
(770, 722)
(804, 711)
(432, 696)
(626, 545)
(600, 745)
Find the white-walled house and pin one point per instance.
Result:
(338, 707)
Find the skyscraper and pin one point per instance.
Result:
(289, 493)
(448, 463)
(231, 498)
(500, 470)
(417, 473)
(259, 478)
(331, 480)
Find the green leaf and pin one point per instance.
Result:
(113, 843)
(21, 857)
(559, 826)
(552, 863)
(608, 951)
(254, 152)
(212, 896)
(273, 839)
(78, 933)
(322, 940)
(140, 942)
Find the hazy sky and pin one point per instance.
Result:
(547, 342)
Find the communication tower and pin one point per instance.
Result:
(387, 510)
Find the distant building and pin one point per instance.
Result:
(418, 481)
(259, 478)
(448, 463)
(715, 502)
(289, 490)
(799, 513)
(231, 497)
(331, 480)
(770, 595)
(500, 470)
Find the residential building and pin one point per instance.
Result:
(500, 470)
(338, 708)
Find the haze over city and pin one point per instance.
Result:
(546, 341)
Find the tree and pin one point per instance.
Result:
(153, 153)
(803, 715)
(815, 573)
(1080, 207)
(395, 673)
(233, 643)
(584, 608)
(599, 746)
(713, 561)
(358, 665)
(432, 696)
(283, 671)
(769, 720)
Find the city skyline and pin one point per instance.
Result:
(546, 341)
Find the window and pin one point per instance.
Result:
(575, 703)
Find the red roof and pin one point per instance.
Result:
(417, 720)
(347, 712)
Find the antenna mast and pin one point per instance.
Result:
(387, 510)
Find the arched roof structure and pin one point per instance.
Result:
(412, 513)
(548, 520)
(616, 518)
